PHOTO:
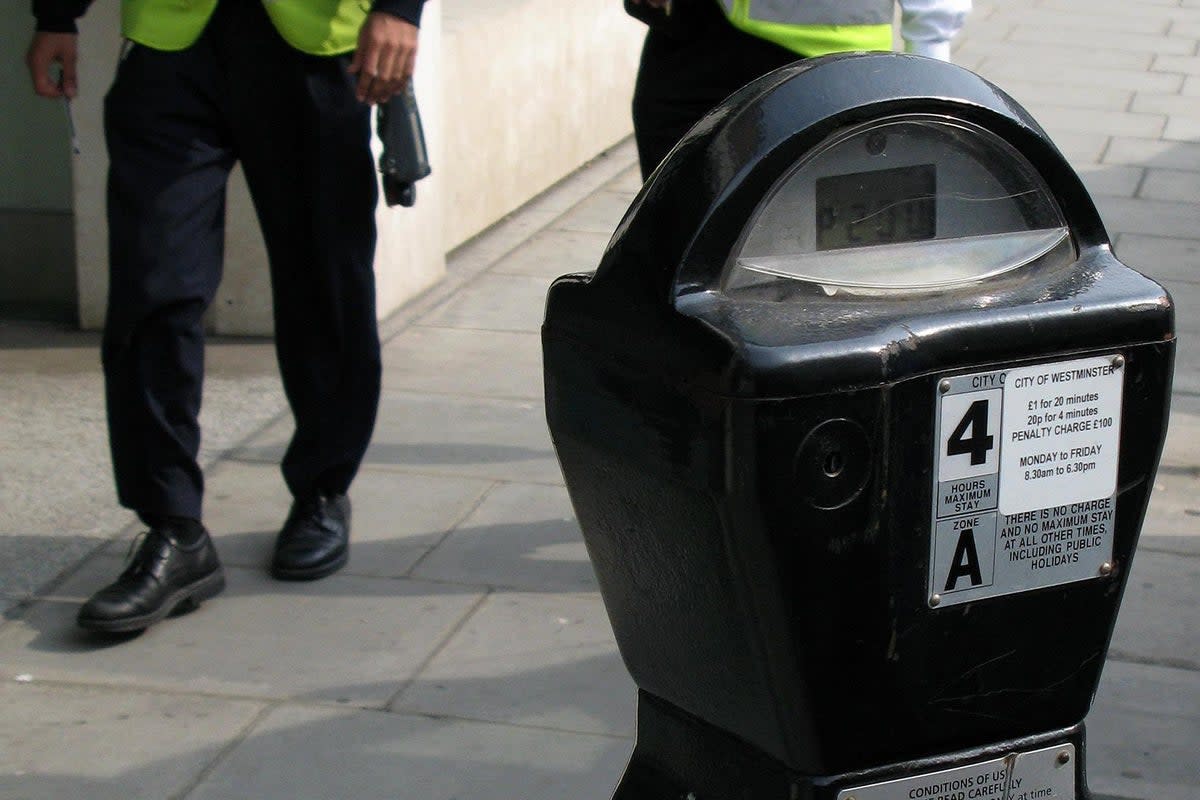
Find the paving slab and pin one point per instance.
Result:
(1022, 14)
(1169, 104)
(494, 303)
(1154, 624)
(1181, 453)
(57, 502)
(1153, 153)
(82, 742)
(1142, 733)
(344, 639)
(1183, 128)
(1067, 55)
(628, 181)
(301, 753)
(1175, 187)
(1162, 9)
(554, 252)
(521, 536)
(1059, 120)
(1080, 147)
(1186, 295)
(33, 561)
(1187, 374)
(396, 517)
(1148, 217)
(467, 363)
(1034, 92)
(599, 213)
(1188, 63)
(1173, 519)
(498, 439)
(1080, 78)
(1104, 179)
(1111, 40)
(534, 660)
(1161, 257)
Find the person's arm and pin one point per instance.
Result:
(927, 26)
(58, 16)
(55, 43)
(387, 49)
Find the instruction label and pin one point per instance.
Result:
(1026, 471)
(1045, 774)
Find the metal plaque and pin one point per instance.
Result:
(1046, 774)
(1026, 478)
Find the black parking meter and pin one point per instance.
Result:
(860, 416)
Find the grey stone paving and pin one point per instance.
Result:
(464, 651)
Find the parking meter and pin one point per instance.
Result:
(860, 416)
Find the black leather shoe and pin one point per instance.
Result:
(315, 540)
(162, 577)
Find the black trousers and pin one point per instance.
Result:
(691, 61)
(175, 124)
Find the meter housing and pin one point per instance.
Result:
(743, 399)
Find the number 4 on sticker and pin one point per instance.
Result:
(979, 442)
(969, 434)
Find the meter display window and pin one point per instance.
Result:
(885, 206)
(914, 203)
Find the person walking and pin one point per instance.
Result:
(285, 88)
(698, 52)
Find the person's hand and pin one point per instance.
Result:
(46, 51)
(385, 58)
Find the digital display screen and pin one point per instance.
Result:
(880, 207)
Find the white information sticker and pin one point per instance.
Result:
(1026, 471)
(1061, 429)
(1045, 774)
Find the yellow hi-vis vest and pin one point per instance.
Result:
(815, 27)
(320, 27)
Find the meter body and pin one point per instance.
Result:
(860, 415)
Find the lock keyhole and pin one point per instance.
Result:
(833, 464)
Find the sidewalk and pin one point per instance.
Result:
(464, 652)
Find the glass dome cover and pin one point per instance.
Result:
(902, 204)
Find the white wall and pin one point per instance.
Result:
(37, 257)
(514, 96)
(533, 90)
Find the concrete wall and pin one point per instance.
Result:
(533, 89)
(514, 95)
(37, 254)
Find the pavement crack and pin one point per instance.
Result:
(390, 704)
(234, 742)
(1184, 470)
(1185, 664)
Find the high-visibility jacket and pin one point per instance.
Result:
(815, 27)
(320, 27)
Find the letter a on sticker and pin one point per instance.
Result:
(965, 562)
